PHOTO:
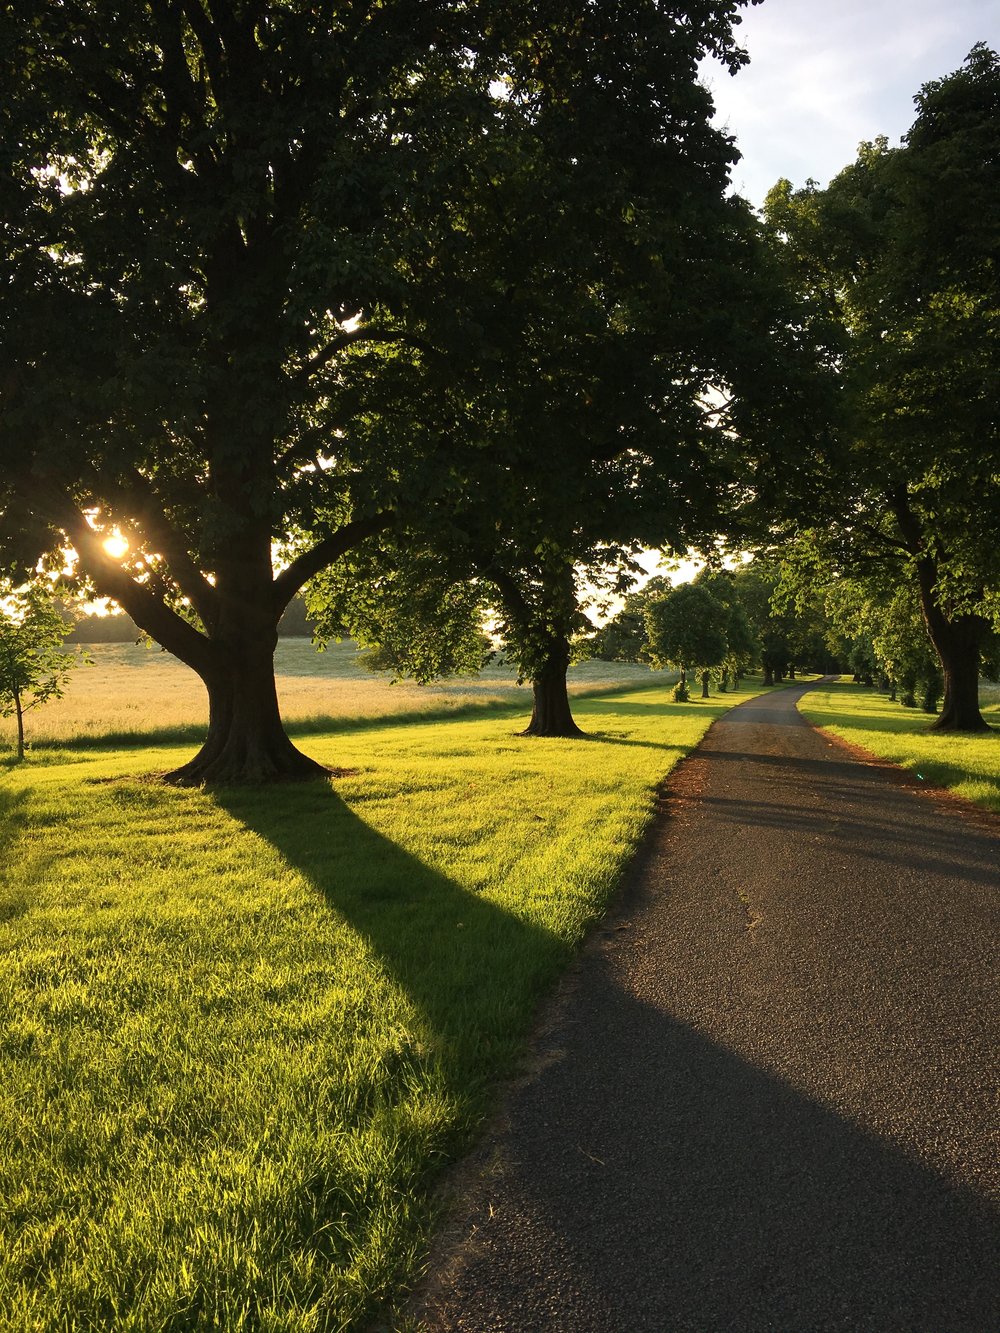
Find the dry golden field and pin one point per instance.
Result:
(133, 690)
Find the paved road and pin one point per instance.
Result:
(767, 1100)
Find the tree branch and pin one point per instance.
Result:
(906, 520)
(148, 611)
(876, 535)
(310, 562)
(361, 334)
(139, 501)
(208, 40)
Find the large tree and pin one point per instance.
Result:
(235, 242)
(617, 412)
(898, 258)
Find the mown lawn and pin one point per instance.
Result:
(243, 1030)
(967, 765)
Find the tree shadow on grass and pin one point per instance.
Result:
(606, 738)
(666, 709)
(697, 1191)
(13, 902)
(473, 970)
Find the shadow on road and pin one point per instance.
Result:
(705, 1193)
(957, 851)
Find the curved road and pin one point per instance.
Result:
(767, 1098)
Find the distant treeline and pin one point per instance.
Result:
(120, 628)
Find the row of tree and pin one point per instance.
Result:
(440, 310)
(895, 263)
(292, 288)
(727, 622)
(782, 614)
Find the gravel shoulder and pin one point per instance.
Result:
(766, 1099)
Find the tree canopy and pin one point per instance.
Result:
(896, 260)
(33, 667)
(272, 270)
(686, 628)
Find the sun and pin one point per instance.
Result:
(116, 545)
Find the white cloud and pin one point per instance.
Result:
(827, 74)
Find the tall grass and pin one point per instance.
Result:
(968, 765)
(131, 692)
(241, 1031)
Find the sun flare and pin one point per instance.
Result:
(116, 545)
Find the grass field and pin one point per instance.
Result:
(117, 699)
(967, 765)
(243, 1030)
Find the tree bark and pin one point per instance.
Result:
(246, 741)
(956, 638)
(706, 676)
(551, 714)
(20, 724)
(957, 645)
(956, 641)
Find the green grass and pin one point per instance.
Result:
(243, 1030)
(966, 765)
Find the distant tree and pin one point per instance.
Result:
(771, 628)
(884, 634)
(295, 623)
(33, 667)
(424, 617)
(742, 647)
(91, 627)
(623, 638)
(687, 629)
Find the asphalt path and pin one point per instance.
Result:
(767, 1098)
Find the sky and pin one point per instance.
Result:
(826, 75)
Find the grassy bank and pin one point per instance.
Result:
(966, 765)
(243, 1030)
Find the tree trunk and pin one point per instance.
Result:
(542, 620)
(768, 675)
(956, 641)
(706, 676)
(551, 714)
(20, 724)
(246, 741)
(957, 644)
